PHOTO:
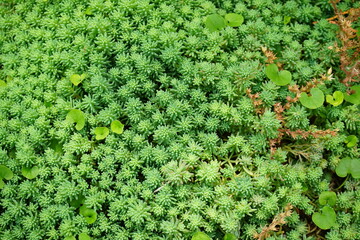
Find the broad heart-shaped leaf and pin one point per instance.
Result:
(327, 198)
(76, 116)
(215, 22)
(200, 236)
(314, 101)
(117, 127)
(286, 19)
(336, 99)
(30, 173)
(101, 133)
(351, 141)
(84, 236)
(3, 83)
(76, 79)
(5, 172)
(233, 19)
(89, 214)
(281, 78)
(230, 236)
(70, 238)
(355, 97)
(326, 219)
(348, 166)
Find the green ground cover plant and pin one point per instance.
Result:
(179, 120)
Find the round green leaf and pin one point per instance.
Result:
(327, 198)
(3, 83)
(230, 236)
(89, 214)
(84, 236)
(286, 19)
(314, 101)
(215, 22)
(281, 78)
(355, 97)
(336, 99)
(76, 79)
(117, 127)
(348, 166)
(200, 236)
(233, 19)
(326, 219)
(76, 116)
(351, 141)
(101, 133)
(2, 184)
(30, 173)
(5, 172)
(78, 201)
(70, 238)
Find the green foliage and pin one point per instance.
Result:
(5, 173)
(84, 236)
(117, 127)
(233, 19)
(101, 133)
(354, 97)
(280, 78)
(215, 22)
(316, 99)
(348, 166)
(327, 198)
(230, 236)
(30, 172)
(76, 79)
(76, 116)
(351, 141)
(326, 219)
(336, 99)
(212, 144)
(200, 236)
(89, 214)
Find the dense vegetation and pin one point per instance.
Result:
(159, 119)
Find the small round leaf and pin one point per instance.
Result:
(230, 236)
(215, 22)
(5, 172)
(2, 184)
(117, 127)
(200, 236)
(336, 99)
(281, 78)
(84, 236)
(351, 141)
(30, 173)
(101, 133)
(355, 97)
(348, 166)
(326, 219)
(76, 116)
(3, 83)
(286, 19)
(314, 101)
(89, 214)
(70, 238)
(233, 19)
(76, 79)
(327, 198)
